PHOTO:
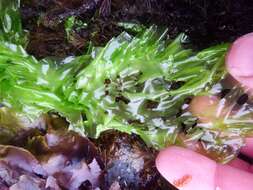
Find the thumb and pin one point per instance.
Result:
(188, 170)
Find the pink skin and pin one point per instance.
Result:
(188, 170)
(239, 60)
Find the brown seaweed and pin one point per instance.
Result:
(60, 161)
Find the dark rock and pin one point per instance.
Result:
(129, 163)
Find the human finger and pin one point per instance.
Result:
(188, 170)
(239, 60)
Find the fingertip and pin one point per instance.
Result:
(248, 148)
(204, 107)
(185, 169)
(229, 178)
(240, 164)
(239, 60)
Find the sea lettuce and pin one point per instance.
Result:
(138, 85)
(135, 84)
(35, 87)
(10, 23)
